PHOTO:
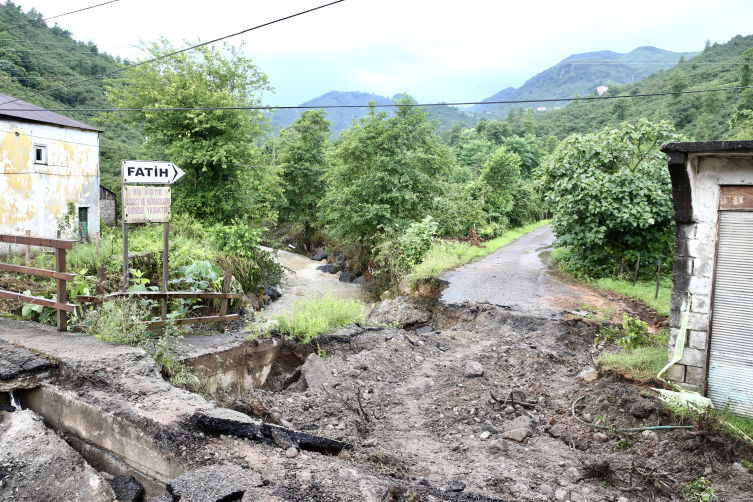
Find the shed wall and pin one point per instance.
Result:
(35, 196)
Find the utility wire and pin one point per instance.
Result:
(59, 15)
(408, 105)
(176, 52)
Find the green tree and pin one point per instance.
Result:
(303, 159)
(386, 172)
(527, 150)
(529, 123)
(497, 131)
(678, 81)
(500, 174)
(611, 196)
(551, 143)
(746, 100)
(620, 108)
(711, 102)
(746, 68)
(214, 147)
(481, 126)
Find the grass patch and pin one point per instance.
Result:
(643, 291)
(445, 255)
(318, 314)
(641, 364)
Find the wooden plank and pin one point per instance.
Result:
(10, 295)
(88, 299)
(197, 320)
(61, 290)
(223, 302)
(37, 241)
(39, 272)
(172, 294)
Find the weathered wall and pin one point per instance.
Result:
(107, 201)
(34, 196)
(695, 251)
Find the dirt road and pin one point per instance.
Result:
(514, 276)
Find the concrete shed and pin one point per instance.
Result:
(107, 210)
(712, 186)
(49, 173)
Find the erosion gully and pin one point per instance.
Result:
(462, 402)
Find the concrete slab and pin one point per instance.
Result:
(21, 368)
(38, 465)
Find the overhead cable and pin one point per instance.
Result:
(405, 105)
(59, 15)
(159, 58)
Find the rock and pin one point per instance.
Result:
(518, 488)
(509, 409)
(271, 293)
(162, 498)
(737, 466)
(400, 312)
(347, 277)
(601, 437)
(623, 499)
(370, 442)
(319, 256)
(213, 482)
(587, 418)
(304, 477)
(357, 272)
(431, 288)
(473, 369)
(418, 359)
(557, 431)
(315, 373)
(484, 435)
(649, 436)
(489, 426)
(252, 302)
(522, 422)
(126, 489)
(546, 490)
(499, 444)
(456, 486)
(589, 374)
(518, 435)
(424, 330)
(361, 279)
(562, 494)
(291, 452)
(340, 258)
(404, 288)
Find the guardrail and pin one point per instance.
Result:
(168, 295)
(59, 274)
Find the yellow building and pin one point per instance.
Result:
(49, 173)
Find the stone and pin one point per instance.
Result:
(546, 490)
(319, 256)
(519, 488)
(214, 482)
(347, 277)
(489, 426)
(315, 372)
(303, 477)
(473, 369)
(522, 422)
(361, 279)
(484, 435)
(424, 330)
(518, 435)
(499, 444)
(370, 442)
(291, 452)
(562, 494)
(601, 437)
(418, 359)
(588, 418)
(557, 431)
(456, 486)
(400, 312)
(740, 468)
(650, 436)
(126, 489)
(623, 499)
(509, 409)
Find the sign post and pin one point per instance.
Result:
(147, 204)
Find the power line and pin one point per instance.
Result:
(176, 52)
(59, 15)
(410, 105)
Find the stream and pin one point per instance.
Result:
(304, 279)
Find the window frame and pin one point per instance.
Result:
(44, 154)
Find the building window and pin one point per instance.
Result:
(40, 154)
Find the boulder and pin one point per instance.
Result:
(473, 369)
(271, 293)
(360, 280)
(357, 272)
(401, 312)
(319, 256)
(315, 372)
(347, 277)
(214, 483)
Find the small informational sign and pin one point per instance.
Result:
(146, 204)
(150, 172)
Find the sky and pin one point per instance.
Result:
(436, 51)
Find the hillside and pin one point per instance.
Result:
(342, 118)
(39, 57)
(583, 73)
(716, 66)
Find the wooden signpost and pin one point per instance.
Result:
(147, 204)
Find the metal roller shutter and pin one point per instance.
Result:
(731, 358)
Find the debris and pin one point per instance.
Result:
(473, 369)
(518, 435)
(456, 486)
(126, 489)
(214, 483)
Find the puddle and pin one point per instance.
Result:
(304, 280)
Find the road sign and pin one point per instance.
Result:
(146, 204)
(140, 171)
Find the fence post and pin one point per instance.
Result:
(99, 289)
(658, 280)
(28, 250)
(61, 291)
(637, 267)
(223, 303)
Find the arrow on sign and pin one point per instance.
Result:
(150, 172)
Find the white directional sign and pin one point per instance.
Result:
(141, 171)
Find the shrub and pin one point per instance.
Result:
(318, 314)
(634, 334)
(123, 321)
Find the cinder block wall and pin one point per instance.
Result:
(107, 211)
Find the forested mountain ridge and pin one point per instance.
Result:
(583, 73)
(38, 57)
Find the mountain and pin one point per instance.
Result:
(342, 118)
(583, 73)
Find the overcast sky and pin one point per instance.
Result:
(437, 51)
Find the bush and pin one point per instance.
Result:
(318, 314)
(123, 321)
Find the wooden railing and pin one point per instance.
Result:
(168, 295)
(59, 274)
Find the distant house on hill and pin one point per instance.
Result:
(49, 165)
(602, 89)
(541, 109)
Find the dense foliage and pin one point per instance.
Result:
(611, 197)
